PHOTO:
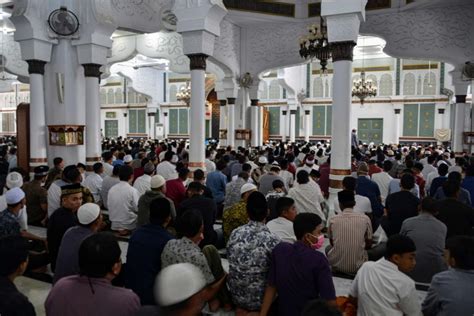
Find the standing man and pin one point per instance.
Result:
(354, 139)
(37, 197)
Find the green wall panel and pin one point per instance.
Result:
(274, 120)
(173, 121)
(410, 120)
(132, 121)
(328, 120)
(319, 120)
(183, 121)
(297, 122)
(141, 121)
(427, 115)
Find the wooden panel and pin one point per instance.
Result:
(23, 135)
(370, 130)
(328, 120)
(266, 125)
(427, 113)
(173, 121)
(274, 118)
(410, 120)
(319, 120)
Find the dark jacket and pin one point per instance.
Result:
(208, 210)
(13, 302)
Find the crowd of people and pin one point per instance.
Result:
(258, 232)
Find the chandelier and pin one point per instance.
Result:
(316, 45)
(363, 88)
(184, 94)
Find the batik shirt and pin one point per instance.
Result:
(8, 224)
(248, 251)
(185, 251)
(234, 217)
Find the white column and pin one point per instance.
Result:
(197, 133)
(38, 129)
(292, 125)
(260, 125)
(341, 116)
(284, 129)
(165, 125)
(255, 131)
(92, 130)
(398, 119)
(459, 120)
(307, 125)
(222, 121)
(231, 122)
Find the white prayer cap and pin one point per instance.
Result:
(14, 180)
(247, 187)
(262, 160)
(178, 282)
(14, 196)
(157, 181)
(174, 159)
(127, 158)
(88, 213)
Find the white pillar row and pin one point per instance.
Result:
(231, 122)
(459, 120)
(398, 122)
(197, 135)
(307, 126)
(222, 122)
(342, 55)
(92, 130)
(260, 124)
(38, 129)
(151, 124)
(285, 123)
(292, 125)
(255, 130)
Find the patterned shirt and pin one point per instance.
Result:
(249, 251)
(232, 192)
(234, 217)
(185, 251)
(8, 224)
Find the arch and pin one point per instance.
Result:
(386, 85)
(173, 91)
(103, 96)
(132, 96)
(318, 90)
(331, 87)
(142, 98)
(118, 96)
(274, 91)
(409, 84)
(263, 90)
(110, 96)
(429, 84)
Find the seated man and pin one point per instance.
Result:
(382, 287)
(186, 249)
(232, 190)
(123, 203)
(298, 273)
(207, 208)
(145, 248)
(37, 197)
(451, 291)
(282, 226)
(248, 251)
(94, 182)
(236, 215)
(91, 292)
(90, 222)
(350, 235)
(454, 178)
(429, 235)
(439, 181)
(273, 196)
(362, 203)
(14, 254)
(157, 190)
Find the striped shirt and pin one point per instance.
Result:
(349, 231)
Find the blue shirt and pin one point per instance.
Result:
(437, 182)
(450, 294)
(468, 184)
(463, 197)
(216, 181)
(144, 260)
(300, 274)
(370, 189)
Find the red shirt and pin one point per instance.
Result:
(324, 170)
(374, 169)
(138, 172)
(175, 191)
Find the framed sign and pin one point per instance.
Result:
(66, 135)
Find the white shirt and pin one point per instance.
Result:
(307, 168)
(123, 206)
(108, 169)
(142, 184)
(362, 205)
(287, 177)
(54, 197)
(382, 179)
(430, 179)
(382, 289)
(455, 169)
(22, 215)
(210, 165)
(167, 170)
(283, 228)
(234, 178)
(308, 198)
(94, 183)
(427, 169)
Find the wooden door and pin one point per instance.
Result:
(266, 125)
(23, 135)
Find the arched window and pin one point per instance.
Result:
(110, 96)
(409, 84)
(318, 88)
(274, 90)
(429, 84)
(263, 90)
(326, 88)
(103, 96)
(331, 87)
(118, 95)
(142, 98)
(173, 91)
(386, 85)
(132, 96)
(419, 86)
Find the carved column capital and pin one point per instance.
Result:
(92, 70)
(223, 102)
(197, 61)
(292, 112)
(461, 99)
(397, 111)
(36, 66)
(441, 111)
(231, 101)
(254, 102)
(307, 112)
(283, 112)
(342, 50)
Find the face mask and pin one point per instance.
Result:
(318, 244)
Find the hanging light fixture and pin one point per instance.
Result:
(363, 88)
(184, 94)
(316, 45)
